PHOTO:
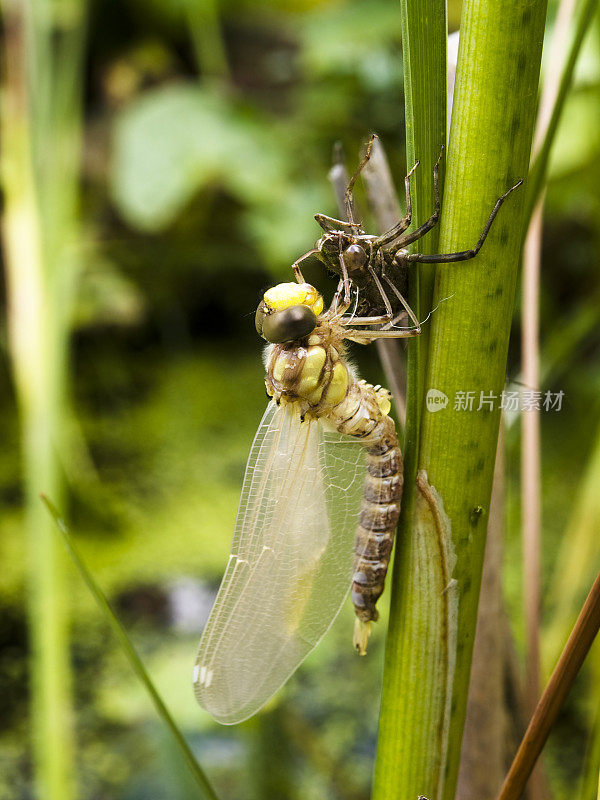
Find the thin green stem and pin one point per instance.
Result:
(207, 38)
(538, 169)
(424, 53)
(408, 759)
(196, 770)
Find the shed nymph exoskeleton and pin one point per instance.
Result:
(375, 267)
(318, 511)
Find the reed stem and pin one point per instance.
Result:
(437, 570)
(568, 666)
(408, 750)
(41, 134)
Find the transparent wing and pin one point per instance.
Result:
(290, 566)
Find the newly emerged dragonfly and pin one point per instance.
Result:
(375, 267)
(319, 505)
(323, 485)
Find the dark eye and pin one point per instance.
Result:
(288, 325)
(355, 257)
(260, 317)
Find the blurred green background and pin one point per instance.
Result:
(207, 134)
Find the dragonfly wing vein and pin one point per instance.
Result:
(291, 564)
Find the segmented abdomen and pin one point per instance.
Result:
(381, 501)
(377, 526)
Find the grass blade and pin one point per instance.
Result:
(538, 169)
(196, 770)
(40, 114)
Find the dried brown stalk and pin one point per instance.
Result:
(577, 647)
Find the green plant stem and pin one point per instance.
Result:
(407, 758)
(136, 664)
(490, 142)
(429, 646)
(207, 38)
(424, 54)
(41, 133)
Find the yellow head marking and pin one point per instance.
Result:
(285, 295)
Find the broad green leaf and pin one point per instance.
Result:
(174, 141)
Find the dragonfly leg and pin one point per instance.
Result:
(333, 225)
(366, 337)
(405, 305)
(295, 266)
(407, 238)
(385, 319)
(388, 317)
(338, 306)
(336, 309)
(346, 281)
(349, 189)
(378, 320)
(384, 297)
(403, 257)
(403, 224)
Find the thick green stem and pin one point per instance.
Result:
(490, 142)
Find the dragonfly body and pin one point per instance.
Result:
(323, 484)
(314, 374)
(318, 511)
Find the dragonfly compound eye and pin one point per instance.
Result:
(355, 257)
(288, 325)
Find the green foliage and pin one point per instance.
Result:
(337, 41)
(195, 194)
(175, 141)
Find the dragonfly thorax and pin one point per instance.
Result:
(311, 370)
